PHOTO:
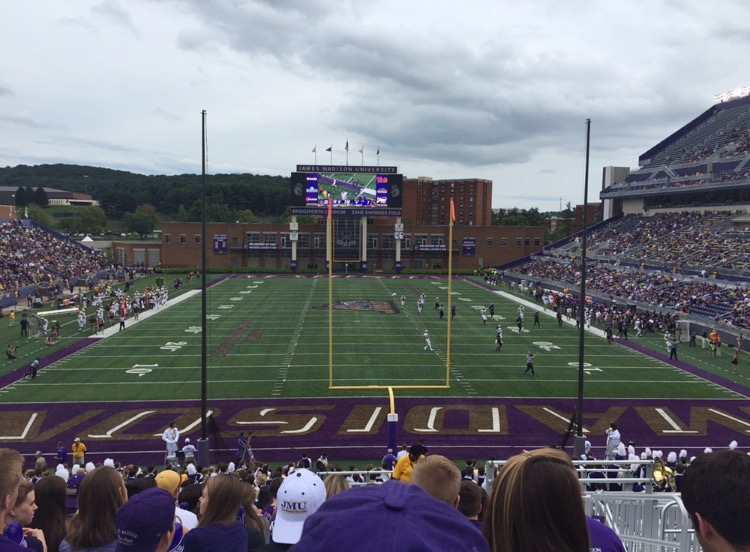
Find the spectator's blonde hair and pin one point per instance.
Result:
(439, 477)
(11, 464)
(335, 483)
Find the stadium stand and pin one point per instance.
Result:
(33, 258)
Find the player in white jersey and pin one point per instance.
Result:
(427, 340)
(483, 312)
(499, 337)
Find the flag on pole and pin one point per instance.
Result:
(347, 145)
(453, 211)
(362, 150)
(378, 153)
(315, 149)
(329, 148)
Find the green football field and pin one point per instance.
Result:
(268, 337)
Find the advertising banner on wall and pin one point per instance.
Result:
(468, 246)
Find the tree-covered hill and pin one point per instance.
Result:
(174, 197)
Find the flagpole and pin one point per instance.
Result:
(378, 156)
(315, 151)
(331, 151)
(362, 152)
(347, 152)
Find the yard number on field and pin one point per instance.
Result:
(174, 346)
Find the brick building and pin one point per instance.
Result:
(369, 242)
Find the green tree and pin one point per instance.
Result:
(21, 198)
(517, 217)
(143, 221)
(69, 224)
(246, 215)
(567, 215)
(215, 212)
(93, 220)
(37, 214)
(40, 197)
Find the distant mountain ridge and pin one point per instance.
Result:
(121, 192)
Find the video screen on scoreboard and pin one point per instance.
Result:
(348, 189)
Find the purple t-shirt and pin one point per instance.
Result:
(603, 539)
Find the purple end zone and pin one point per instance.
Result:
(356, 428)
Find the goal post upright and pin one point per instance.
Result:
(329, 252)
(386, 386)
(450, 296)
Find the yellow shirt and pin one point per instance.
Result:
(79, 449)
(404, 467)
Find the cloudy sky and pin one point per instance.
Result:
(476, 89)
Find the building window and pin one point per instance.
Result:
(253, 237)
(518, 242)
(489, 242)
(286, 242)
(389, 242)
(303, 241)
(269, 237)
(167, 238)
(503, 242)
(526, 242)
(420, 239)
(235, 241)
(537, 242)
(197, 239)
(372, 242)
(437, 239)
(183, 238)
(320, 241)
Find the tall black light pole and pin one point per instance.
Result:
(203, 445)
(580, 441)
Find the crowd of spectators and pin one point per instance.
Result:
(111, 507)
(704, 242)
(684, 239)
(723, 304)
(29, 255)
(632, 231)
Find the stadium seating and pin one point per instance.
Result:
(31, 256)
